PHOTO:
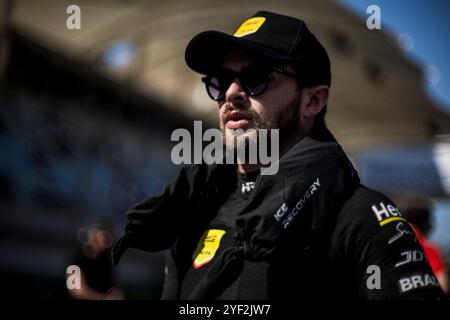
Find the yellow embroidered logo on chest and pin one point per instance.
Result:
(207, 247)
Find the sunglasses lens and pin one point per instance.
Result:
(256, 81)
(256, 88)
(216, 87)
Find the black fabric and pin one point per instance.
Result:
(224, 220)
(154, 223)
(361, 242)
(280, 38)
(323, 251)
(312, 167)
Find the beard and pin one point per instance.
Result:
(239, 138)
(285, 119)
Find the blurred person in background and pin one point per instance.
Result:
(95, 262)
(421, 218)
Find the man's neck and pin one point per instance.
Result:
(247, 168)
(284, 147)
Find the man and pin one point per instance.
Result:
(309, 231)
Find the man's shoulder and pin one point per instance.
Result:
(371, 234)
(366, 212)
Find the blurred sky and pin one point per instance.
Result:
(423, 26)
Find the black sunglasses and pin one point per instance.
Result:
(254, 80)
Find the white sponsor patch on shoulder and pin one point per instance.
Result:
(386, 213)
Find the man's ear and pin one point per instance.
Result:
(318, 98)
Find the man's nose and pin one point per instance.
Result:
(235, 93)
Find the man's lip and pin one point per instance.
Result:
(237, 120)
(237, 124)
(236, 116)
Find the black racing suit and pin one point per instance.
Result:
(311, 231)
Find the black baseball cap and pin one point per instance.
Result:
(269, 36)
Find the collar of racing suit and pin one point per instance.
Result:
(314, 179)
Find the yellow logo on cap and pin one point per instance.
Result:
(250, 26)
(207, 247)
